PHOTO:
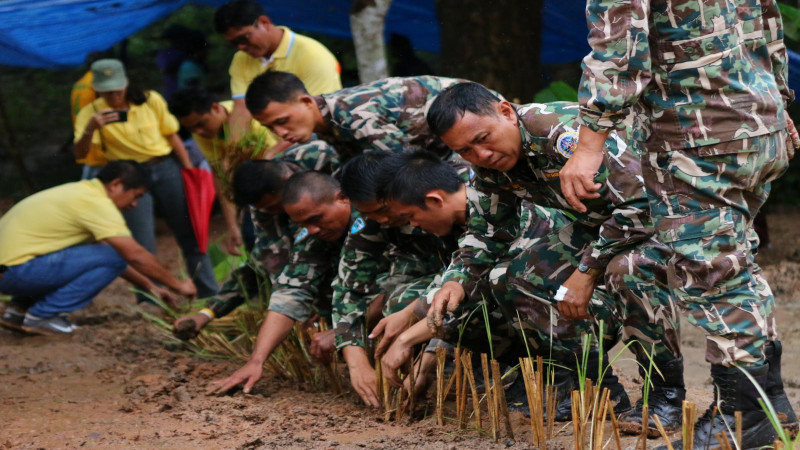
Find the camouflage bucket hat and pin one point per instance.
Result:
(108, 75)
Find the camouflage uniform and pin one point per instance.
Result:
(703, 84)
(385, 115)
(523, 237)
(398, 262)
(274, 235)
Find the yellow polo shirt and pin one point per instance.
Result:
(311, 61)
(81, 95)
(213, 148)
(141, 138)
(57, 218)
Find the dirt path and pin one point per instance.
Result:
(114, 384)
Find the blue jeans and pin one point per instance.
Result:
(65, 280)
(168, 195)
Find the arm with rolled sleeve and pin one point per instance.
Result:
(618, 66)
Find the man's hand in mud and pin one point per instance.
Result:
(396, 359)
(448, 298)
(362, 375)
(188, 327)
(323, 346)
(391, 327)
(247, 374)
(166, 296)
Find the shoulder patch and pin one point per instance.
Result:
(301, 235)
(358, 225)
(566, 143)
(471, 174)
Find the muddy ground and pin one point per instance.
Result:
(115, 384)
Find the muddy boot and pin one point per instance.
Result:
(734, 392)
(618, 395)
(774, 390)
(665, 401)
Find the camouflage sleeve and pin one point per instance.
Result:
(355, 284)
(492, 224)
(299, 285)
(273, 243)
(313, 155)
(232, 293)
(617, 68)
(777, 48)
(629, 222)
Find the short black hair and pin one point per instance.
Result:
(188, 101)
(358, 176)
(255, 179)
(408, 177)
(132, 174)
(320, 186)
(237, 14)
(272, 86)
(453, 102)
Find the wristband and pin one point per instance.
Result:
(560, 293)
(208, 312)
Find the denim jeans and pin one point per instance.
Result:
(168, 195)
(65, 280)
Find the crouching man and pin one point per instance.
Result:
(62, 246)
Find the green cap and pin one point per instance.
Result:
(108, 75)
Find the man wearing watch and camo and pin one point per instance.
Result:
(516, 152)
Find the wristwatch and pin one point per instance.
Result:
(594, 273)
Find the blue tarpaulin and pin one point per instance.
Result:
(60, 33)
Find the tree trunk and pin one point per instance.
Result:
(366, 24)
(494, 43)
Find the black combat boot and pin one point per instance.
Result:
(618, 395)
(734, 392)
(517, 397)
(774, 390)
(666, 398)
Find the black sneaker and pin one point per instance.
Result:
(13, 318)
(51, 325)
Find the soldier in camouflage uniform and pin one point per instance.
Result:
(703, 84)
(303, 287)
(385, 115)
(274, 232)
(530, 254)
(364, 291)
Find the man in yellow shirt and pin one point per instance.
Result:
(207, 120)
(264, 46)
(60, 247)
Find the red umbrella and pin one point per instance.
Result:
(199, 186)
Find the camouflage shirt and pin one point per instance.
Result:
(386, 115)
(372, 252)
(694, 73)
(549, 135)
(274, 233)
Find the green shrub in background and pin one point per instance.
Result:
(557, 91)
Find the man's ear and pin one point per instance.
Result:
(507, 111)
(264, 21)
(434, 199)
(306, 100)
(116, 185)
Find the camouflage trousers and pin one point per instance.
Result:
(701, 261)
(518, 297)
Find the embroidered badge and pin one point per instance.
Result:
(301, 235)
(566, 143)
(358, 225)
(471, 174)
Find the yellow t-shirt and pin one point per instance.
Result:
(311, 61)
(141, 138)
(57, 218)
(82, 94)
(212, 148)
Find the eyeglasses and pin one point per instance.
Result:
(243, 39)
